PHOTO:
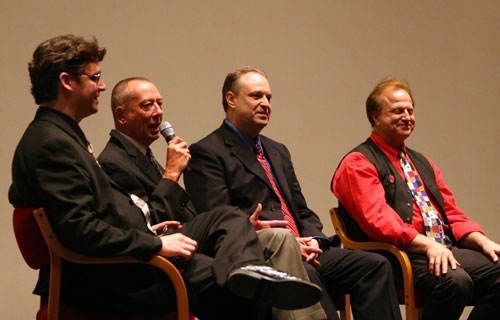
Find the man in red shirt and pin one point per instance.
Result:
(450, 255)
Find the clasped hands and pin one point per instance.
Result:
(309, 247)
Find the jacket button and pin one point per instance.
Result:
(408, 204)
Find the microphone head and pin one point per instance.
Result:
(167, 131)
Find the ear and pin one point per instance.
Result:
(374, 117)
(230, 99)
(65, 80)
(120, 115)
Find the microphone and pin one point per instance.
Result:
(167, 131)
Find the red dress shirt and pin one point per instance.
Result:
(357, 186)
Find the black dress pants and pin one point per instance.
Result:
(448, 294)
(366, 276)
(226, 240)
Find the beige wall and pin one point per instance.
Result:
(322, 57)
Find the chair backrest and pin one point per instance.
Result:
(29, 238)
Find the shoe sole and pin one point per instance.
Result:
(280, 293)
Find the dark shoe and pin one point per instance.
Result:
(277, 288)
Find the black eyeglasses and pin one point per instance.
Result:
(93, 77)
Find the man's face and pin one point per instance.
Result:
(250, 109)
(142, 117)
(87, 89)
(396, 121)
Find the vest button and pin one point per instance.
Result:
(408, 219)
(408, 204)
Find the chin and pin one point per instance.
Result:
(262, 122)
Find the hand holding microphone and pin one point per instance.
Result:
(178, 155)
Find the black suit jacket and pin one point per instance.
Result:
(133, 171)
(224, 171)
(53, 168)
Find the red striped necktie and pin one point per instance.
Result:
(284, 208)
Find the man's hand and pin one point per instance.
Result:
(478, 241)
(177, 244)
(439, 256)
(163, 226)
(178, 157)
(264, 224)
(309, 248)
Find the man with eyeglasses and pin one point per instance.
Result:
(54, 168)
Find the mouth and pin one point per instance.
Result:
(155, 128)
(406, 126)
(263, 114)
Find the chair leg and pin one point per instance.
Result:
(346, 313)
(413, 313)
(54, 288)
(419, 313)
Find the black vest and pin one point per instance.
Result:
(397, 193)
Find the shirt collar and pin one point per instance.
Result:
(249, 141)
(389, 150)
(139, 146)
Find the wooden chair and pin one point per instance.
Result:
(407, 294)
(40, 247)
(343, 305)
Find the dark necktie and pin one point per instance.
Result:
(152, 159)
(284, 208)
(432, 222)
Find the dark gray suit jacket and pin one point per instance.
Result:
(133, 171)
(53, 168)
(224, 171)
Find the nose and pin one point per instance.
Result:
(407, 115)
(157, 110)
(102, 85)
(265, 101)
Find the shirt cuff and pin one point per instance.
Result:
(323, 242)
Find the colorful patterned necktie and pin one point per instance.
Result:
(152, 159)
(432, 222)
(284, 208)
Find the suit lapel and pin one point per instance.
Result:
(141, 160)
(240, 150)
